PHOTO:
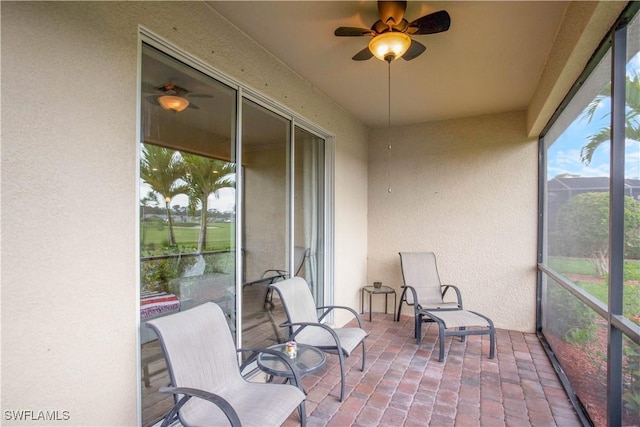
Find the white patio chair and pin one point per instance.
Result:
(306, 327)
(206, 379)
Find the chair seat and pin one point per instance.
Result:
(439, 305)
(458, 318)
(349, 338)
(456, 322)
(253, 409)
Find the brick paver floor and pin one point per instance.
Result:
(404, 385)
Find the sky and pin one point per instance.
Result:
(564, 153)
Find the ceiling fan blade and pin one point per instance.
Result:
(436, 22)
(414, 50)
(391, 12)
(363, 55)
(352, 32)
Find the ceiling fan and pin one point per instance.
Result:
(393, 25)
(173, 97)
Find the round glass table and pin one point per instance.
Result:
(308, 360)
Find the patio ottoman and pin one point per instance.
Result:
(457, 323)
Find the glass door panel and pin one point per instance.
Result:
(187, 205)
(309, 218)
(265, 147)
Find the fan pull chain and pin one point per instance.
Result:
(389, 131)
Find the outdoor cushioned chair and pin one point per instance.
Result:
(206, 379)
(306, 327)
(423, 290)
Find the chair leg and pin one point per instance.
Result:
(441, 337)
(303, 414)
(492, 338)
(418, 328)
(364, 355)
(341, 359)
(402, 298)
(492, 343)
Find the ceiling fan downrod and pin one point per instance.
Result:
(389, 127)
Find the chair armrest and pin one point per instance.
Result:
(455, 288)
(255, 352)
(329, 308)
(414, 295)
(188, 393)
(304, 325)
(279, 273)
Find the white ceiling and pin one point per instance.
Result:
(489, 61)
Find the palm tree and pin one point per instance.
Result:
(204, 177)
(632, 117)
(149, 200)
(162, 169)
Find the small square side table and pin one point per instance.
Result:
(384, 290)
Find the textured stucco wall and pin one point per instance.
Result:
(467, 190)
(69, 182)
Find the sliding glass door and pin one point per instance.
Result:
(309, 231)
(187, 204)
(232, 198)
(265, 147)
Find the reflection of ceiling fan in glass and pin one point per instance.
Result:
(391, 33)
(173, 97)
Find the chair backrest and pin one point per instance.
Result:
(297, 300)
(299, 255)
(199, 348)
(299, 306)
(419, 270)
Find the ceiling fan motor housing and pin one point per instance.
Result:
(392, 21)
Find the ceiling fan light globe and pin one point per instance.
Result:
(173, 103)
(389, 46)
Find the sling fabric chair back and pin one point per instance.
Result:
(299, 255)
(420, 271)
(201, 356)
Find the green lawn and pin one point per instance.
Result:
(566, 265)
(599, 288)
(219, 235)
